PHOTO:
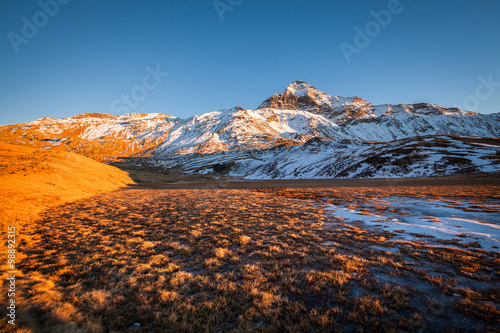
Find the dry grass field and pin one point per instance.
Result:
(259, 259)
(33, 179)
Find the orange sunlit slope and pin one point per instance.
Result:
(33, 179)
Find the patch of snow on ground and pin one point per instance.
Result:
(479, 227)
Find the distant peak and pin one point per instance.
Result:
(298, 88)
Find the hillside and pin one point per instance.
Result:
(34, 179)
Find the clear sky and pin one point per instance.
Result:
(85, 55)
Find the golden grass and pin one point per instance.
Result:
(34, 179)
(487, 311)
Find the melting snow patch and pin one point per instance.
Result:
(446, 223)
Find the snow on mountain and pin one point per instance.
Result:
(92, 126)
(302, 96)
(233, 129)
(240, 129)
(358, 119)
(318, 158)
(95, 135)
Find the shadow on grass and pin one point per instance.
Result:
(179, 260)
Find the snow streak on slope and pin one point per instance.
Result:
(416, 157)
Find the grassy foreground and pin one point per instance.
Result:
(259, 260)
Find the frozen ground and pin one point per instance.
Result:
(432, 219)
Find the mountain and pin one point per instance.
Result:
(289, 119)
(359, 119)
(100, 135)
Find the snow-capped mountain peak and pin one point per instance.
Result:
(300, 95)
(299, 88)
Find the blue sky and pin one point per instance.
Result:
(88, 54)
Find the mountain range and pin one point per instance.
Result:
(300, 123)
